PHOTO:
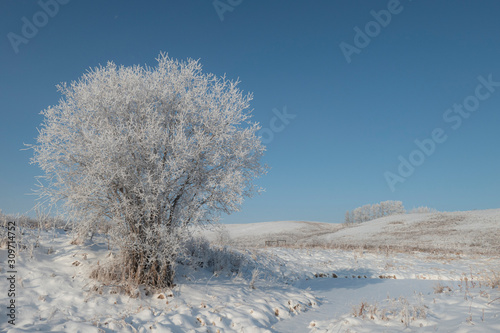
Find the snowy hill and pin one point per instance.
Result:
(463, 232)
(333, 286)
(256, 234)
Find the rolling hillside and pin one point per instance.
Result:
(463, 232)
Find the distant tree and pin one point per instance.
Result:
(383, 209)
(375, 211)
(422, 210)
(148, 152)
(348, 218)
(371, 212)
(357, 215)
(395, 207)
(365, 213)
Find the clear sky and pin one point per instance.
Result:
(364, 80)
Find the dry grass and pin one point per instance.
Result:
(491, 279)
(398, 309)
(120, 276)
(439, 288)
(438, 233)
(396, 223)
(113, 275)
(454, 233)
(255, 277)
(385, 249)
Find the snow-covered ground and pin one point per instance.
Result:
(463, 232)
(256, 234)
(417, 292)
(292, 289)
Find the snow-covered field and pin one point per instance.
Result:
(463, 232)
(453, 287)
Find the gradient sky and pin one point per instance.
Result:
(352, 120)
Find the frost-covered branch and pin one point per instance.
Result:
(148, 149)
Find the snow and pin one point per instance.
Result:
(255, 234)
(296, 289)
(460, 230)
(464, 232)
(412, 277)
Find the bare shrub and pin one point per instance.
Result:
(439, 288)
(397, 309)
(199, 253)
(222, 236)
(255, 277)
(492, 279)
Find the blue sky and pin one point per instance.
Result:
(355, 115)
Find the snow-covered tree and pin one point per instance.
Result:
(147, 152)
(371, 212)
(422, 210)
(365, 213)
(357, 215)
(383, 209)
(348, 218)
(375, 211)
(394, 207)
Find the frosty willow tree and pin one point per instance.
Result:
(147, 152)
